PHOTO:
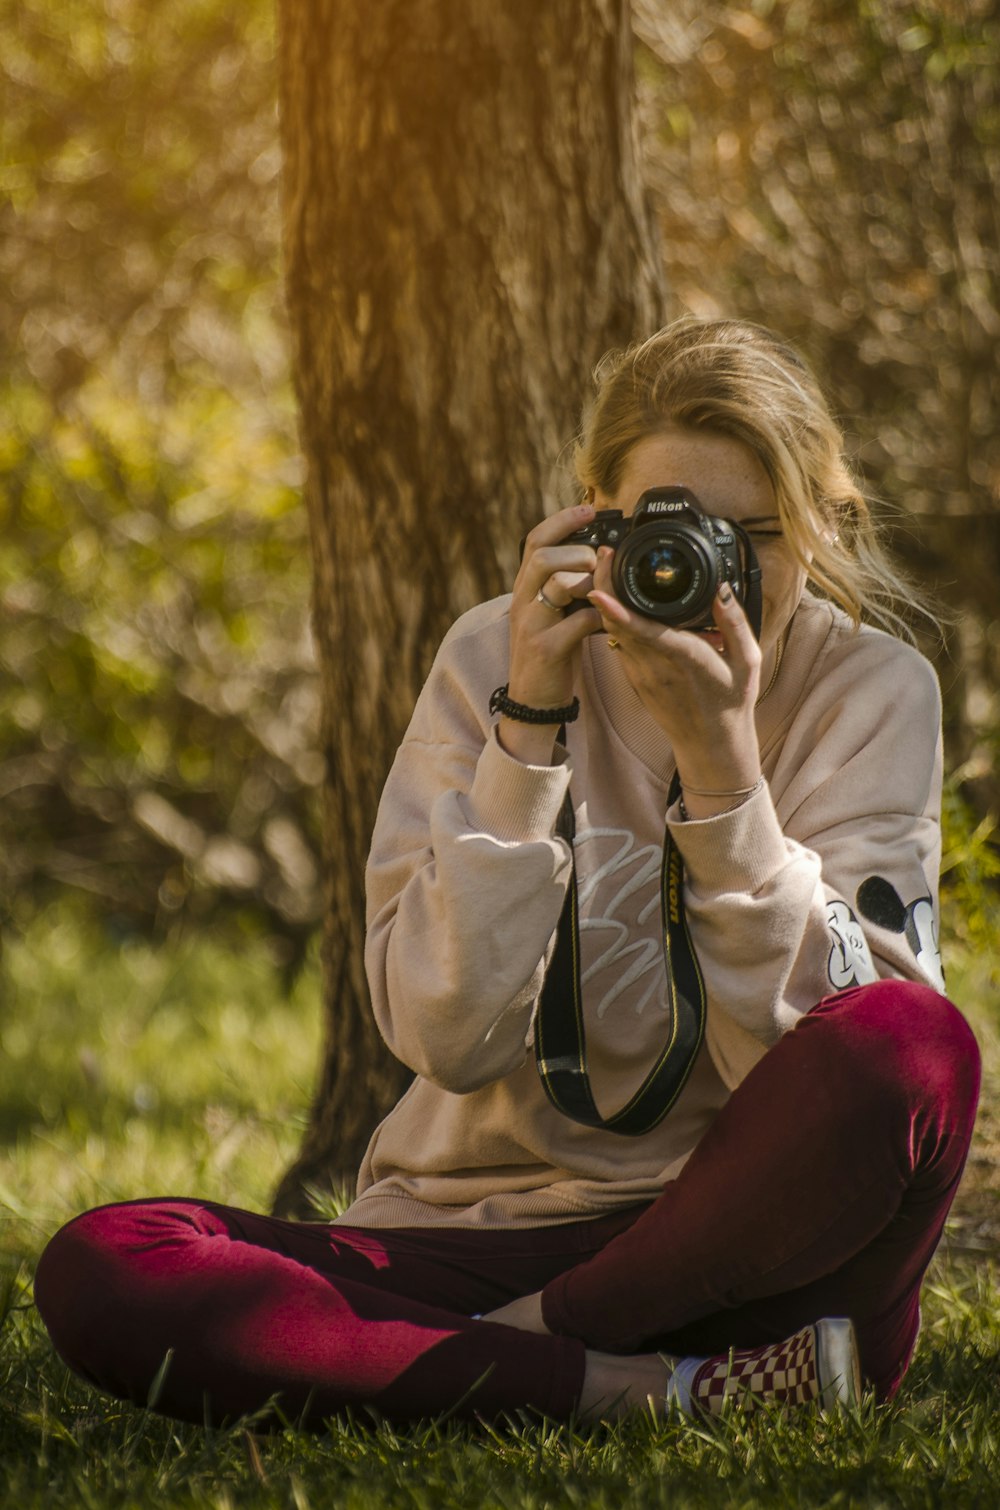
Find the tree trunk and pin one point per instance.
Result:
(465, 234)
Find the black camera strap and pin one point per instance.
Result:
(560, 1039)
(753, 596)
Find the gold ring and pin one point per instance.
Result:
(613, 644)
(549, 603)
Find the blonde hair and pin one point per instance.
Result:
(741, 380)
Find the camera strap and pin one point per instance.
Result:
(753, 598)
(560, 1039)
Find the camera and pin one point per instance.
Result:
(671, 558)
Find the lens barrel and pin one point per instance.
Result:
(668, 570)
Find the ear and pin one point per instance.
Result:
(833, 512)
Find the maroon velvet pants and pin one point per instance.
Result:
(821, 1189)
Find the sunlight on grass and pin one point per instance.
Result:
(129, 1070)
(132, 1070)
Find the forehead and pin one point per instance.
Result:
(724, 474)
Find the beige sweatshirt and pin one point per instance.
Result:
(826, 878)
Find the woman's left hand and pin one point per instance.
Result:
(702, 694)
(525, 1313)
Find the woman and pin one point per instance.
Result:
(563, 1229)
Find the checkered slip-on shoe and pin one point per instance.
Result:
(819, 1365)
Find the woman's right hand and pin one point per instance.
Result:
(544, 640)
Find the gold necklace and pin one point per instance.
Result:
(779, 651)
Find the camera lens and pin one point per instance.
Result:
(666, 570)
(663, 574)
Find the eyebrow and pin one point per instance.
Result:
(760, 519)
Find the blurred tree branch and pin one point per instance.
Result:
(832, 169)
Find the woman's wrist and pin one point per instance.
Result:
(533, 713)
(532, 744)
(716, 781)
(698, 802)
(530, 719)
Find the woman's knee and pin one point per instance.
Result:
(89, 1269)
(69, 1271)
(913, 1041)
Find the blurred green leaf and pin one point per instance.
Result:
(154, 571)
(832, 170)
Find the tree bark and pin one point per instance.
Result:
(465, 234)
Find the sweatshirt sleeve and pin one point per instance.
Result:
(837, 885)
(465, 882)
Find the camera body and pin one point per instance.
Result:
(671, 558)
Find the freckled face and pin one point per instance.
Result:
(729, 481)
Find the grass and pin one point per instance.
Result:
(128, 1070)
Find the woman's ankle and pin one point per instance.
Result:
(616, 1384)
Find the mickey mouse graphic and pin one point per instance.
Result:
(850, 962)
(880, 902)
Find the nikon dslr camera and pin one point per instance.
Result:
(671, 558)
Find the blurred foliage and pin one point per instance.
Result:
(970, 871)
(830, 168)
(129, 1066)
(158, 704)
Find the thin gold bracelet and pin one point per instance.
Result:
(738, 799)
(745, 791)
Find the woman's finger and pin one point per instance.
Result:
(555, 527)
(575, 627)
(643, 630)
(554, 637)
(563, 587)
(646, 634)
(684, 649)
(738, 638)
(609, 608)
(569, 568)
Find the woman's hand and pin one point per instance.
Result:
(700, 688)
(544, 640)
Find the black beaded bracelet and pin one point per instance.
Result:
(522, 714)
